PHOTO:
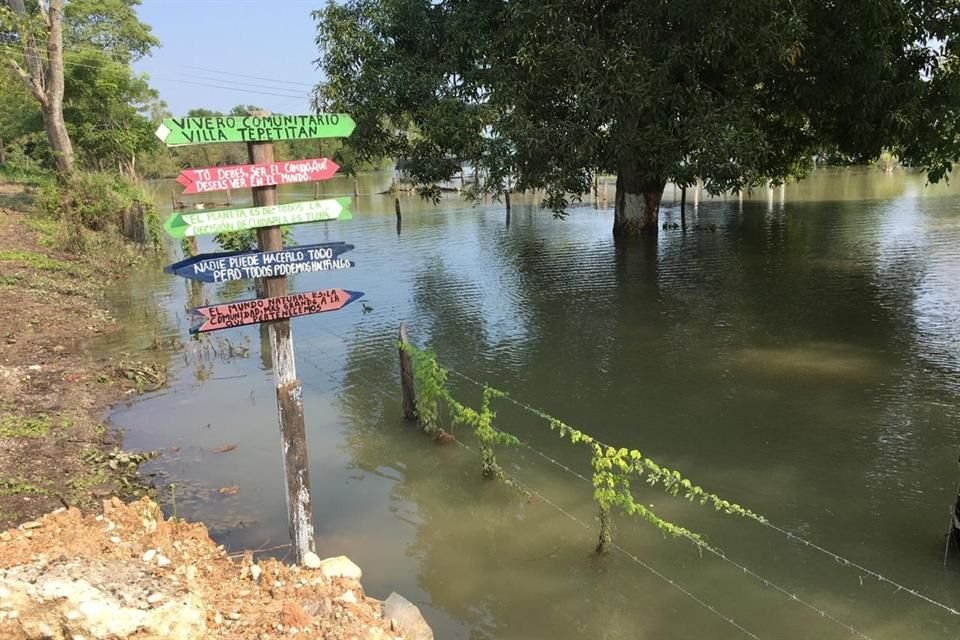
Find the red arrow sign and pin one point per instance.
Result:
(244, 176)
(238, 314)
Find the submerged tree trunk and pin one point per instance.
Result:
(637, 203)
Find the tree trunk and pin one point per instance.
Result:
(3, 153)
(46, 85)
(637, 203)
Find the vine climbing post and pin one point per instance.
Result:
(407, 386)
(605, 539)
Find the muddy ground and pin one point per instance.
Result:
(54, 388)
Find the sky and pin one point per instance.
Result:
(209, 55)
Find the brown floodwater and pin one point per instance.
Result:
(796, 352)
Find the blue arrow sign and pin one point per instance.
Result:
(243, 265)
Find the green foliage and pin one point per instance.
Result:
(103, 97)
(482, 424)
(613, 468)
(102, 108)
(430, 380)
(98, 202)
(549, 92)
(12, 426)
(246, 239)
(36, 261)
(111, 26)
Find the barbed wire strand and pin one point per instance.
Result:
(846, 562)
(700, 544)
(658, 574)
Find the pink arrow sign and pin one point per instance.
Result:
(238, 314)
(244, 176)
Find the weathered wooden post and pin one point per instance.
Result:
(396, 206)
(407, 387)
(605, 538)
(953, 535)
(289, 389)
(683, 208)
(270, 264)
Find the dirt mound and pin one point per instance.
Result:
(130, 573)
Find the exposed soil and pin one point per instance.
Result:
(54, 391)
(171, 559)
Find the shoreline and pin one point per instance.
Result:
(56, 386)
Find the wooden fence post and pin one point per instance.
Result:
(289, 390)
(953, 535)
(407, 386)
(605, 537)
(683, 208)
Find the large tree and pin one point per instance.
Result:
(75, 60)
(550, 92)
(40, 38)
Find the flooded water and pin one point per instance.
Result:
(796, 352)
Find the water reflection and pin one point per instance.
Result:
(797, 353)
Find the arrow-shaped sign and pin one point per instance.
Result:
(243, 176)
(242, 265)
(246, 312)
(182, 131)
(180, 225)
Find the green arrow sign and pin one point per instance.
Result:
(181, 225)
(176, 132)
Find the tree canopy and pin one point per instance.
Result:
(550, 92)
(103, 101)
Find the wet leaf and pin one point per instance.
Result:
(225, 448)
(230, 490)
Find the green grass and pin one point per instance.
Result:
(22, 427)
(17, 485)
(36, 261)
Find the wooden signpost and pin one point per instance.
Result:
(244, 265)
(271, 264)
(244, 176)
(181, 225)
(175, 132)
(245, 312)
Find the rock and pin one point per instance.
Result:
(406, 617)
(33, 524)
(255, 572)
(340, 567)
(311, 560)
(5, 536)
(108, 601)
(348, 596)
(34, 367)
(148, 555)
(162, 560)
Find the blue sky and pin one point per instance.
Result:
(208, 56)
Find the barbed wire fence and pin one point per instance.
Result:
(323, 362)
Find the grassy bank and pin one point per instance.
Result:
(54, 388)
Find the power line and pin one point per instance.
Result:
(289, 93)
(244, 75)
(83, 48)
